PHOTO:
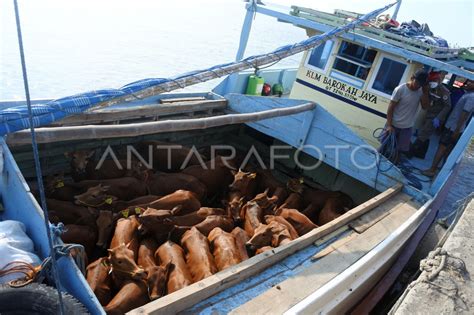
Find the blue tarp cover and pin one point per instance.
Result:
(16, 118)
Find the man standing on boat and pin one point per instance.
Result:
(440, 105)
(402, 110)
(455, 125)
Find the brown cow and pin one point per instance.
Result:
(152, 222)
(167, 183)
(294, 201)
(334, 207)
(241, 238)
(224, 248)
(126, 232)
(241, 189)
(196, 217)
(81, 234)
(99, 280)
(244, 182)
(98, 197)
(205, 227)
(267, 204)
(83, 167)
(281, 220)
(253, 216)
(198, 255)
(179, 277)
(266, 180)
(157, 275)
(300, 222)
(315, 197)
(281, 194)
(215, 174)
(69, 213)
(105, 226)
(169, 157)
(133, 294)
(273, 234)
(56, 188)
(123, 265)
(125, 188)
(213, 221)
(186, 200)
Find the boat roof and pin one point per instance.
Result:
(452, 60)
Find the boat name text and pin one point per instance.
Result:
(341, 88)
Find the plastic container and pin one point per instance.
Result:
(255, 85)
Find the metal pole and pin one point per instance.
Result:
(244, 38)
(396, 9)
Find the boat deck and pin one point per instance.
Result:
(413, 166)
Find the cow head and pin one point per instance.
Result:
(265, 202)
(105, 225)
(54, 182)
(157, 280)
(95, 197)
(242, 180)
(79, 159)
(153, 220)
(233, 208)
(121, 259)
(262, 237)
(295, 185)
(138, 170)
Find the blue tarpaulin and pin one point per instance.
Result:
(16, 118)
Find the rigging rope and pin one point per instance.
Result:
(389, 150)
(37, 160)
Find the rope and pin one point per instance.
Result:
(438, 260)
(37, 160)
(389, 149)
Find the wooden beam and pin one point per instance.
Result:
(55, 134)
(181, 99)
(188, 296)
(142, 111)
(367, 220)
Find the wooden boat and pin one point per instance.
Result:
(328, 270)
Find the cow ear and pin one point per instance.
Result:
(176, 210)
(252, 175)
(234, 172)
(266, 191)
(128, 245)
(169, 267)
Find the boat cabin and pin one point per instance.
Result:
(353, 76)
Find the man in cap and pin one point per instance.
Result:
(454, 126)
(403, 107)
(440, 105)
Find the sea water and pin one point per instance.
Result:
(77, 46)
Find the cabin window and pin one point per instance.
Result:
(354, 60)
(319, 56)
(389, 75)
